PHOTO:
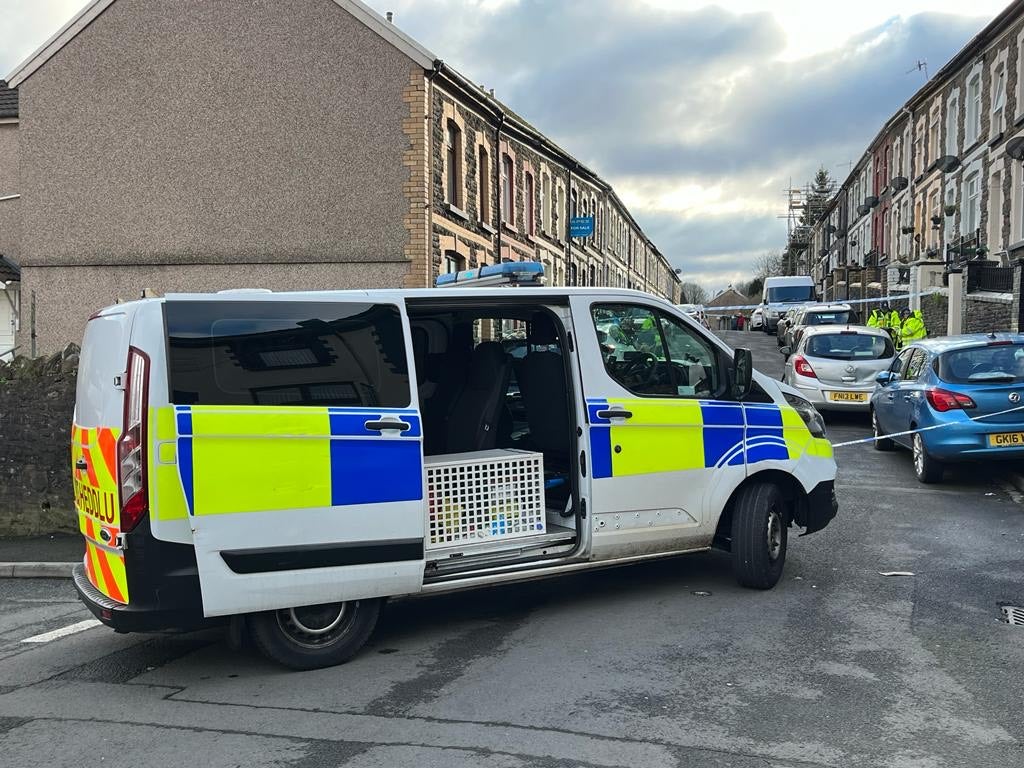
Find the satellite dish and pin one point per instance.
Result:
(899, 183)
(1015, 148)
(948, 163)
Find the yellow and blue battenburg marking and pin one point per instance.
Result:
(255, 458)
(671, 435)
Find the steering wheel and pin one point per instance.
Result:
(643, 367)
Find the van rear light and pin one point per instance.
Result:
(132, 446)
(803, 368)
(943, 400)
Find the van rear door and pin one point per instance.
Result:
(298, 446)
(97, 425)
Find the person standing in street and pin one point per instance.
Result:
(912, 327)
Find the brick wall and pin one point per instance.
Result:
(37, 400)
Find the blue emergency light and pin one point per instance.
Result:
(509, 273)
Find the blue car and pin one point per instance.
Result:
(971, 385)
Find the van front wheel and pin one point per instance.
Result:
(315, 636)
(759, 535)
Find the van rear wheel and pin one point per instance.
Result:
(315, 636)
(759, 535)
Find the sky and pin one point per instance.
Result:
(699, 114)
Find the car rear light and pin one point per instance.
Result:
(132, 447)
(943, 400)
(803, 368)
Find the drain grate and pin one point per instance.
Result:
(1012, 614)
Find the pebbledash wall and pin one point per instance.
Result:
(253, 143)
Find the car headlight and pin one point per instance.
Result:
(808, 413)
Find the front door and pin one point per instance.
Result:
(885, 404)
(661, 434)
(298, 445)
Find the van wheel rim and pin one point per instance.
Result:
(774, 535)
(315, 626)
(918, 455)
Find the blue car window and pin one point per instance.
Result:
(916, 365)
(996, 363)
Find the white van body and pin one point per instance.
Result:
(781, 294)
(291, 458)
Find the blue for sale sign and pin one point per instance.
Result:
(581, 226)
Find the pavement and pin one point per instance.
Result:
(50, 556)
(652, 666)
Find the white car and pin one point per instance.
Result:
(696, 311)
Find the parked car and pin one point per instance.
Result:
(970, 385)
(816, 314)
(696, 311)
(784, 323)
(836, 368)
(757, 319)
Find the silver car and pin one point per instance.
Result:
(834, 366)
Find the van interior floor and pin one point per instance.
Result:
(557, 539)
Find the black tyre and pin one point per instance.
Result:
(315, 636)
(927, 469)
(759, 535)
(881, 443)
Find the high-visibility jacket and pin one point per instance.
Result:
(913, 328)
(883, 320)
(873, 320)
(894, 319)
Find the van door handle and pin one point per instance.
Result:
(380, 426)
(609, 414)
(81, 465)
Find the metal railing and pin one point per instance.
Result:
(990, 277)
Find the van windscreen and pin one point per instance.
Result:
(783, 293)
(286, 353)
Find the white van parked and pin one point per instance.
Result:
(781, 294)
(290, 460)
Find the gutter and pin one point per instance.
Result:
(429, 117)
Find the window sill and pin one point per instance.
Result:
(457, 212)
(972, 147)
(488, 228)
(996, 139)
(510, 228)
(1019, 121)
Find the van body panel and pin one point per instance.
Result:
(776, 300)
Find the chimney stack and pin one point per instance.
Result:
(389, 16)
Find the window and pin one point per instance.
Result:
(453, 262)
(484, 185)
(555, 217)
(915, 365)
(545, 194)
(999, 102)
(508, 173)
(849, 346)
(651, 354)
(972, 129)
(286, 353)
(574, 204)
(933, 206)
(972, 204)
(1003, 364)
(592, 275)
(899, 365)
(952, 113)
(572, 275)
(950, 200)
(453, 164)
(528, 205)
(934, 149)
(995, 211)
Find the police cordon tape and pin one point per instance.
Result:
(925, 429)
(878, 300)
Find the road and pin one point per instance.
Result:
(665, 664)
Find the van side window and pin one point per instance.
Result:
(651, 354)
(286, 353)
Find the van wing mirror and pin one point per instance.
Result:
(743, 373)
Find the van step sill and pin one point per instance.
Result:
(555, 534)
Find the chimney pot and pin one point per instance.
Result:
(390, 16)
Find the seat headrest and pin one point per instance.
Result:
(542, 330)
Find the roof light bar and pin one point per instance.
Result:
(510, 273)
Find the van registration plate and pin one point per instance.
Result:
(1006, 440)
(848, 397)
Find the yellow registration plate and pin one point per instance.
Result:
(848, 397)
(1006, 440)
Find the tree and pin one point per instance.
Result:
(694, 293)
(769, 264)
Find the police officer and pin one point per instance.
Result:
(912, 328)
(874, 319)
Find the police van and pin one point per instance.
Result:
(287, 461)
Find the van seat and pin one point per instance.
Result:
(475, 413)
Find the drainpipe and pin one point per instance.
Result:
(429, 117)
(497, 176)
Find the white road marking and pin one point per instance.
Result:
(63, 631)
